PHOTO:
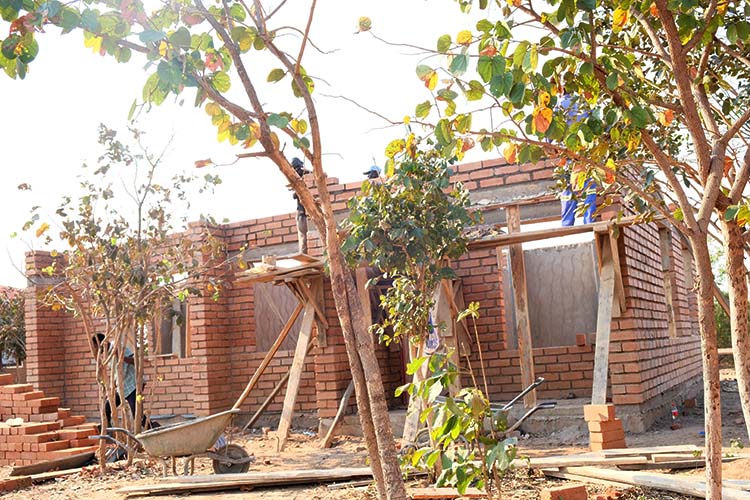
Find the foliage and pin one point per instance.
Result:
(124, 261)
(466, 441)
(12, 326)
(409, 227)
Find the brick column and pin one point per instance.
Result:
(45, 339)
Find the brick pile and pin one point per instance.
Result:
(605, 430)
(47, 432)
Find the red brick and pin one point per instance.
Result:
(54, 445)
(606, 437)
(16, 388)
(25, 396)
(609, 445)
(15, 483)
(606, 426)
(6, 378)
(599, 413)
(573, 491)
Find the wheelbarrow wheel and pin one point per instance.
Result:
(232, 452)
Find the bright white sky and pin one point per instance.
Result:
(50, 119)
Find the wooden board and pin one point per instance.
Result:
(578, 461)
(56, 464)
(666, 482)
(343, 405)
(670, 283)
(219, 482)
(562, 474)
(651, 450)
(437, 493)
(523, 325)
(295, 374)
(603, 325)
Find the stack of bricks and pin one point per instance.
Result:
(39, 430)
(605, 430)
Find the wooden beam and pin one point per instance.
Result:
(666, 482)
(71, 462)
(555, 232)
(295, 374)
(343, 405)
(523, 325)
(442, 313)
(360, 276)
(272, 395)
(670, 284)
(603, 325)
(311, 297)
(268, 357)
(619, 283)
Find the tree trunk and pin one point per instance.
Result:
(710, 357)
(737, 272)
(368, 383)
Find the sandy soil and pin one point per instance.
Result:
(302, 452)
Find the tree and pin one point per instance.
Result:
(125, 263)
(646, 98)
(208, 48)
(12, 326)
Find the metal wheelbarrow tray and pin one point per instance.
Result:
(199, 437)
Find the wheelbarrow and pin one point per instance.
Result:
(202, 437)
(499, 416)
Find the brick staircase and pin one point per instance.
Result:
(47, 432)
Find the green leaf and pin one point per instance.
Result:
(220, 81)
(613, 81)
(463, 123)
(90, 21)
(180, 38)
(444, 44)
(534, 57)
(423, 109)
(443, 132)
(237, 11)
(517, 92)
(132, 109)
(277, 120)
(275, 75)
(69, 20)
(459, 64)
(423, 70)
(484, 25)
(150, 36)
(9, 45)
(731, 212)
(484, 68)
(475, 91)
(639, 117)
(520, 53)
(413, 366)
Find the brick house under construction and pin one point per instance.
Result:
(203, 363)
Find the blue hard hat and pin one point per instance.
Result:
(373, 169)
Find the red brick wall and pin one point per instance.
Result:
(644, 360)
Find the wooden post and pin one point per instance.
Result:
(442, 315)
(603, 323)
(339, 415)
(670, 283)
(411, 423)
(295, 374)
(268, 357)
(271, 396)
(523, 326)
(360, 276)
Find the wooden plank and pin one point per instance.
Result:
(310, 295)
(268, 357)
(295, 375)
(695, 463)
(562, 474)
(47, 476)
(652, 450)
(48, 465)
(317, 287)
(523, 326)
(619, 283)
(666, 482)
(437, 493)
(603, 325)
(578, 461)
(343, 405)
(670, 284)
(555, 232)
(219, 482)
(272, 395)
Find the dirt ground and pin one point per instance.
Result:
(302, 452)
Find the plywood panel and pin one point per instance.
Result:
(273, 307)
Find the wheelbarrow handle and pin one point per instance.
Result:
(115, 441)
(547, 405)
(108, 431)
(539, 381)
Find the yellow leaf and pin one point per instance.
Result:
(721, 7)
(666, 117)
(407, 120)
(394, 147)
(510, 152)
(542, 118)
(431, 82)
(364, 24)
(620, 19)
(653, 10)
(543, 99)
(464, 37)
(94, 43)
(213, 109)
(42, 229)
(411, 147)
(163, 47)
(224, 126)
(459, 149)
(390, 167)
